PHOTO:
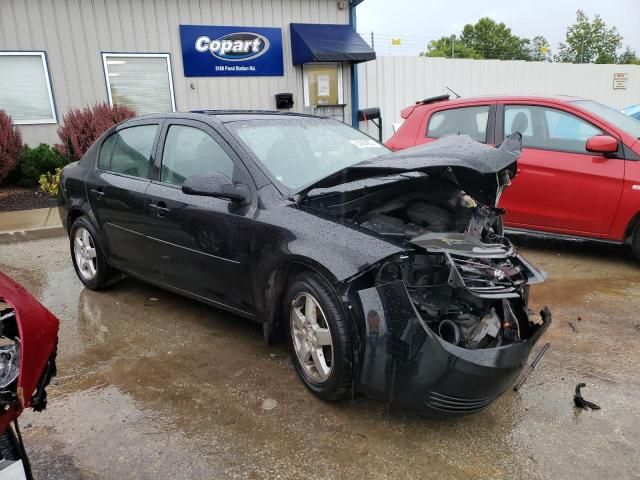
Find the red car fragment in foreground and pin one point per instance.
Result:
(28, 341)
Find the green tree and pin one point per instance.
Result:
(589, 41)
(539, 50)
(628, 56)
(442, 48)
(494, 40)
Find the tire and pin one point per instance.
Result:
(337, 382)
(99, 274)
(635, 241)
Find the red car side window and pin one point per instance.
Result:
(548, 128)
(470, 121)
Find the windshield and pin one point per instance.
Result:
(300, 151)
(619, 119)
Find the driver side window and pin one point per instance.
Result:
(190, 151)
(548, 128)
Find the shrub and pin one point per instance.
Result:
(49, 182)
(80, 128)
(34, 162)
(10, 144)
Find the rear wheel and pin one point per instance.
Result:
(88, 256)
(635, 241)
(318, 337)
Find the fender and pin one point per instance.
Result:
(341, 252)
(292, 239)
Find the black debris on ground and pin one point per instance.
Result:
(581, 402)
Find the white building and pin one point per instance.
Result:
(176, 55)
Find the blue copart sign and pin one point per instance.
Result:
(216, 51)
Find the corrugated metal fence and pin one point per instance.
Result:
(393, 83)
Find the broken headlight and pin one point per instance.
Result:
(9, 346)
(9, 363)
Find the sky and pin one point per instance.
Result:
(416, 22)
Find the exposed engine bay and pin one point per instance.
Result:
(437, 205)
(464, 277)
(467, 301)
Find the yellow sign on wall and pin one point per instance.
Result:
(323, 83)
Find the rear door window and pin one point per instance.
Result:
(106, 150)
(470, 121)
(128, 151)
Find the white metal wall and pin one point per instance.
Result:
(393, 83)
(73, 33)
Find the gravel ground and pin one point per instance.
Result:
(155, 386)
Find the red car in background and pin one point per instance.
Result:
(28, 344)
(579, 172)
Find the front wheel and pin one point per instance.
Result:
(321, 347)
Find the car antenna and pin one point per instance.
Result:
(457, 96)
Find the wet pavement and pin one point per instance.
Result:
(155, 386)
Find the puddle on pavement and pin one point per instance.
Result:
(173, 389)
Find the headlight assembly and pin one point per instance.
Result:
(9, 363)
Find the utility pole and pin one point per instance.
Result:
(373, 44)
(453, 39)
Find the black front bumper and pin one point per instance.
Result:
(404, 362)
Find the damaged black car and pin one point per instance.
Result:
(388, 273)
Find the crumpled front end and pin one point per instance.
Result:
(405, 360)
(28, 343)
(447, 325)
(444, 324)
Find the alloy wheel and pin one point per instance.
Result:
(84, 249)
(311, 337)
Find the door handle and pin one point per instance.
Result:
(160, 208)
(98, 193)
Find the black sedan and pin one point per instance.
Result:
(388, 272)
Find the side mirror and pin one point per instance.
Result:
(216, 185)
(604, 144)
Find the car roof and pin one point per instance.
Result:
(510, 98)
(231, 115)
(225, 116)
(443, 101)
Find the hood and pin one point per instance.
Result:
(477, 162)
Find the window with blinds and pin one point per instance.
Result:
(25, 88)
(141, 81)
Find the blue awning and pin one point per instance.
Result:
(312, 42)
